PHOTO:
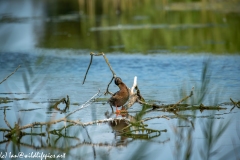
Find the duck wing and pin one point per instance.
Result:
(113, 99)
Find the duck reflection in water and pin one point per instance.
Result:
(118, 126)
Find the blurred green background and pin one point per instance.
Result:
(146, 26)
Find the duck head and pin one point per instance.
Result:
(118, 81)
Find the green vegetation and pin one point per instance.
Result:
(148, 26)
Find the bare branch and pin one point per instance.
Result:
(10, 75)
(185, 98)
(104, 56)
(88, 68)
(84, 105)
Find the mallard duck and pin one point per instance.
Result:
(119, 98)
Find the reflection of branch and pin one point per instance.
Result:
(10, 74)
(60, 135)
(5, 130)
(63, 100)
(61, 119)
(149, 118)
(104, 56)
(235, 104)
(32, 134)
(6, 119)
(17, 129)
(100, 121)
(63, 149)
(94, 151)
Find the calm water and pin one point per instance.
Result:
(160, 77)
(164, 44)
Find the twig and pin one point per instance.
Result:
(10, 75)
(84, 105)
(88, 68)
(104, 56)
(185, 98)
(107, 91)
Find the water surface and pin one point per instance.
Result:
(165, 44)
(47, 78)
